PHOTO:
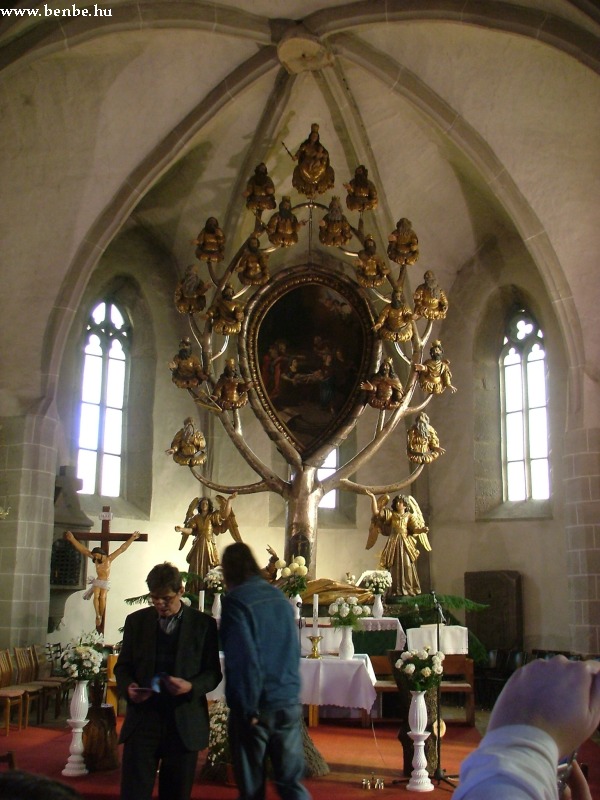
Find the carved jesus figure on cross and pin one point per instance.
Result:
(102, 560)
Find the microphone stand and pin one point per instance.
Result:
(439, 775)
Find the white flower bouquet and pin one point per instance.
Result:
(214, 579)
(419, 669)
(293, 575)
(82, 658)
(218, 741)
(378, 581)
(346, 611)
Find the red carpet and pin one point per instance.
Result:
(351, 752)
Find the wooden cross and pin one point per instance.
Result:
(105, 537)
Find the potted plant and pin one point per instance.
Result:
(345, 612)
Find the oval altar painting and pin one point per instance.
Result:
(312, 348)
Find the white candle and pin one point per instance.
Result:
(315, 615)
(201, 600)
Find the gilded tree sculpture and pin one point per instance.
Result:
(306, 348)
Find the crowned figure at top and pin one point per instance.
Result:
(313, 174)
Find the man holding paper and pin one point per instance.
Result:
(168, 662)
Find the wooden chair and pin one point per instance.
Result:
(8, 759)
(11, 696)
(385, 683)
(48, 671)
(52, 687)
(34, 692)
(459, 678)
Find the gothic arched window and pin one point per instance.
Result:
(103, 393)
(524, 400)
(327, 468)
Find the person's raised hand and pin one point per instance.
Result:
(577, 787)
(559, 696)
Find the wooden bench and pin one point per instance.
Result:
(459, 678)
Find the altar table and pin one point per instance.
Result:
(329, 681)
(453, 638)
(332, 637)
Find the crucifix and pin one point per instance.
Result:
(102, 559)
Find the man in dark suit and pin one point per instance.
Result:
(168, 662)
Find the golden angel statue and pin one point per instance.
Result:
(403, 247)
(188, 445)
(205, 523)
(190, 292)
(260, 190)
(334, 228)
(371, 270)
(434, 374)
(384, 388)
(423, 444)
(210, 242)
(394, 322)
(186, 369)
(226, 314)
(283, 226)
(430, 301)
(253, 266)
(362, 194)
(231, 390)
(313, 173)
(403, 525)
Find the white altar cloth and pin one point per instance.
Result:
(332, 681)
(333, 636)
(329, 681)
(453, 638)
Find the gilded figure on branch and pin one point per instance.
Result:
(371, 270)
(253, 266)
(384, 389)
(334, 228)
(226, 313)
(429, 299)
(423, 444)
(283, 226)
(188, 445)
(210, 242)
(231, 390)
(186, 369)
(394, 324)
(403, 525)
(190, 292)
(260, 191)
(403, 247)
(362, 194)
(434, 374)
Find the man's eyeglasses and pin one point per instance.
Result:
(165, 599)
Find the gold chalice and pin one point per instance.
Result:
(314, 640)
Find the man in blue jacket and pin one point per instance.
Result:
(262, 680)
(168, 662)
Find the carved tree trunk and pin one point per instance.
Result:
(301, 520)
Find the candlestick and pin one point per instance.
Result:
(201, 600)
(315, 614)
